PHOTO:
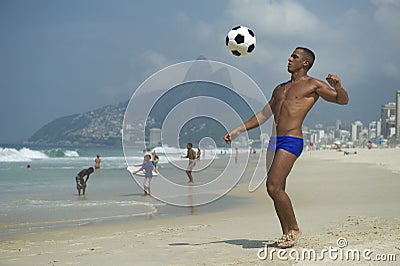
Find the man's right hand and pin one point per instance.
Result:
(227, 138)
(230, 136)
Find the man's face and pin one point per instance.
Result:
(295, 61)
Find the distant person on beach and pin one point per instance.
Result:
(147, 166)
(289, 104)
(236, 155)
(191, 155)
(369, 145)
(198, 154)
(349, 153)
(156, 159)
(80, 183)
(97, 162)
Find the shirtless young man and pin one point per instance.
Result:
(191, 155)
(289, 104)
(80, 182)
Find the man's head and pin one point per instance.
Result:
(301, 58)
(189, 145)
(90, 170)
(308, 56)
(147, 157)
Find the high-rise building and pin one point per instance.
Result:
(338, 124)
(155, 137)
(356, 128)
(373, 130)
(388, 119)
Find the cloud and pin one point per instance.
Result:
(154, 61)
(274, 18)
(391, 70)
(203, 30)
(387, 15)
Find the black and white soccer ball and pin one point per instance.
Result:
(240, 41)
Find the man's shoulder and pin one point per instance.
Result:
(314, 80)
(283, 84)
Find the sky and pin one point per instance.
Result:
(60, 57)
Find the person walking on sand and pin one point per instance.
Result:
(80, 182)
(191, 155)
(97, 162)
(147, 166)
(289, 104)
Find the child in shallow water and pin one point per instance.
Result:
(147, 166)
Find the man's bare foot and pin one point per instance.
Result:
(289, 240)
(190, 182)
(279, 241)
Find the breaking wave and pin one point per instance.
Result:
(27, 155)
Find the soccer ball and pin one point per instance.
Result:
(240, 41)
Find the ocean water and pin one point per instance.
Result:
(44, 196)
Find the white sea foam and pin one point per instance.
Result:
(71, 153)
(22, 155)
(32, 203)
(27, 154)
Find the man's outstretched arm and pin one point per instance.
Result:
(255, 121)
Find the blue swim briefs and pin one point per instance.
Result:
(290, 144)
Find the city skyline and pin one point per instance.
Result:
(384, 128)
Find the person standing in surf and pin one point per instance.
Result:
(191, 155)
(147, 167)
(80, 182)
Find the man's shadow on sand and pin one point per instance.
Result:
(244, 243)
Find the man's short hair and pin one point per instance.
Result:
(190, 145)
(308, 55)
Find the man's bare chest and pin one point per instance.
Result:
(292, 92)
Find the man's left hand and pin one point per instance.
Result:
(334, 81)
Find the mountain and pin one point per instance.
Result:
(205, 114)
(97, 127)
(103, 126)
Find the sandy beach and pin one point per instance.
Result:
(345, 205)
